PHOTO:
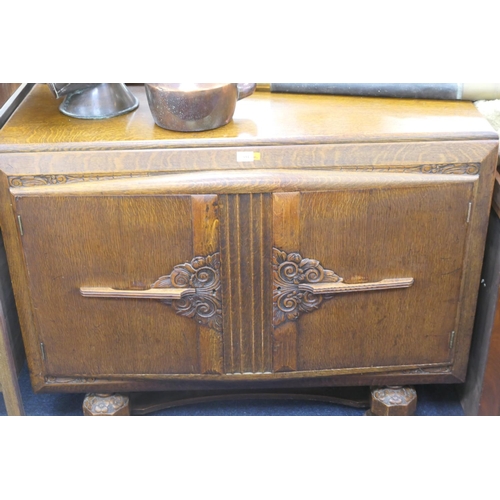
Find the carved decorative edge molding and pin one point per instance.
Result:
(438, 370)
(202, 274)
(426, 371)
(45, 180)
(69, 380)
(289, 271)
(449, 168)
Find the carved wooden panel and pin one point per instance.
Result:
(124, 243)
(326, 240)
(247, 283)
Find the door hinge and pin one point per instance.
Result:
(469, 211)
(452, 339)
(20, 222)
(42, 348)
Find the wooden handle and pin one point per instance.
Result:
(152, 293)
(328, 288)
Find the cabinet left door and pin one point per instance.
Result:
(123, 285)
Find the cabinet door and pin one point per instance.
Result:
(95, 265)
(395, 256)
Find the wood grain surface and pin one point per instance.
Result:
(243, 181)
(6, 90)
(121, 244)
(286, 234)
(261, 119)
(365, 236)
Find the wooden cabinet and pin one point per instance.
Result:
(313, 241)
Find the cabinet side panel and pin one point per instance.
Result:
(7, 299)
(474, 259)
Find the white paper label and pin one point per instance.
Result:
(244, 156)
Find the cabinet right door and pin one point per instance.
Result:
(368, 279)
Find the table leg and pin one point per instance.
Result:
(106, 405)
(393, 400)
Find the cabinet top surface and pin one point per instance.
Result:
(261, 119)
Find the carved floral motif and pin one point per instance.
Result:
(46, 180)
(290, 270)
(204, 306)
(446, 169)
(465, 168)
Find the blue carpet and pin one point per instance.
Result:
(433, 400)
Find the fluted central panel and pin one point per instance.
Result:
(246, 255)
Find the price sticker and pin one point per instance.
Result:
(245, 156)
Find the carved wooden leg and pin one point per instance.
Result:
(393, 400)
(106, 405)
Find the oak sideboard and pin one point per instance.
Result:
(314, 241)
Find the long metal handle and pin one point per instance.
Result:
(329, 288)
(152, 293)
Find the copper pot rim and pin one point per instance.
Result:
(188, 87)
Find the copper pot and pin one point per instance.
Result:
(193, 107)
